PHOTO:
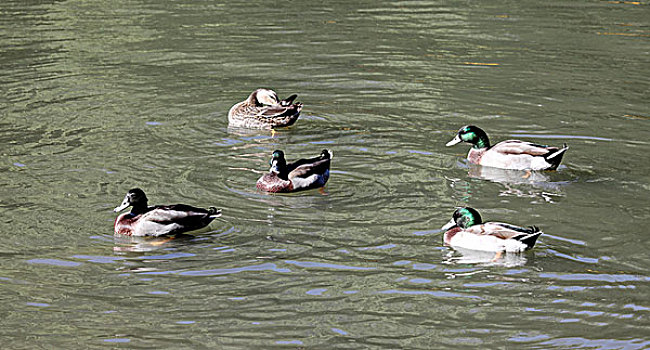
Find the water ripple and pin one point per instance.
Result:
(100, 98)
(217, 272)
(602, 277)
(54, 262)
(320, 265)
(439, 294)
(577, 342)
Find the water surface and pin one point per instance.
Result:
(101, 97)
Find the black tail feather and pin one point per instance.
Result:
(555, 157)
(530, 239)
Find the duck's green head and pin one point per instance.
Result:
(277, 162)
(464, 217)
(471, 134)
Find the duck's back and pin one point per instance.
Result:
(245, 115)
(517, 155)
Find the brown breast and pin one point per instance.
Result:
(124, 223)
(272, 183)
(474, 155)
(451, 233)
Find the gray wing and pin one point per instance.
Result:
(523, 147)
(502, 230)
(318, 167)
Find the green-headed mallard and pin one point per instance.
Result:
(264, 110)
(510, 154)
(466, 230)
(159, 220)
(300, 175)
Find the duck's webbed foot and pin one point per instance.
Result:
(161, 240)
(497, 256)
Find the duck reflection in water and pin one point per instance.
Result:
(520, 184)
(140, 244)
(460, 255)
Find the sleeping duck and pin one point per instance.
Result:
(159, 220)
(264, 110)
(466, 230)
(510, 154)
(300, 175)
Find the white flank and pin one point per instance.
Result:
(299, 182)
(514, 161)
(151, 228)
(486, 243)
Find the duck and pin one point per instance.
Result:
(302, 174)
(510, 154)
(264, 110)
(467, 230)
(159, 220)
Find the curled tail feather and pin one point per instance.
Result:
(214, 212)
(327, 154)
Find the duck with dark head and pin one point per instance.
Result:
(159, 220)
(302, 174)
(467, 230)
(510, 154)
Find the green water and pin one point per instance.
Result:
(99, 97)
